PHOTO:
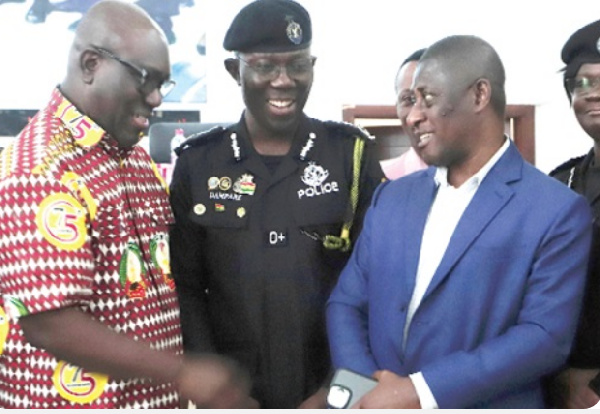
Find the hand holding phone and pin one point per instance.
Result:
(347, 387)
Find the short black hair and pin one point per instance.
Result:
(468, 58)
(414, 56)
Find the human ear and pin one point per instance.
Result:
(233, 67)
(483, 92)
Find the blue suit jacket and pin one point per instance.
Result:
(502, 307)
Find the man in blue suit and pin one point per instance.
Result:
(465, 285)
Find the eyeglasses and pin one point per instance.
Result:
(146, 85)
(268, 70)
(582, 86)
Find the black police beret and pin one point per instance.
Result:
(582, 47)
(269, 26)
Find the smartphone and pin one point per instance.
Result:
(347, 387)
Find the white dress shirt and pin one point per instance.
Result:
(447, 209)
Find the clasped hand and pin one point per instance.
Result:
(392, 391)
(215, 382)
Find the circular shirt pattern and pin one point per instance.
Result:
(61, 220)
(76, 385)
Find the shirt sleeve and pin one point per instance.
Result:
(426, 397)
(45, 246)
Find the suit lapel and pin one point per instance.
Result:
(491, 197)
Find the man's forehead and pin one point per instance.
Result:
(277, 56)
(589, 68)
(426, 72)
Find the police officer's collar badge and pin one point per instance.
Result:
(293, 31)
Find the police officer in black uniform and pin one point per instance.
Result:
(578, 386)
(266, 212)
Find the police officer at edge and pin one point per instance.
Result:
(266, 211)
(578, 385)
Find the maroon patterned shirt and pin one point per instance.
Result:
(82, 223)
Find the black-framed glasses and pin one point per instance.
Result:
(146, 85)
(269, 70)
(582, 85)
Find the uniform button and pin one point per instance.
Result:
(199, 209)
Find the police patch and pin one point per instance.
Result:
(245, 185)
(225, 183)
(315, 177)
(294, 32)
(213, 183)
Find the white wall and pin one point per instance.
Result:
(359, 45)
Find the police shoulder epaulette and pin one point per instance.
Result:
(567, 165)
(201, 138)
(349, 130)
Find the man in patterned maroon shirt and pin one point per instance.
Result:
(88, 312)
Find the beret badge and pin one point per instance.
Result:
(294, 31)
(598, 45)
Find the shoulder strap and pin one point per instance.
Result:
(200, 138)
(343, 242)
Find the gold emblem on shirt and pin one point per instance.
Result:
(77, 185)
(76, 385)
(61, 221)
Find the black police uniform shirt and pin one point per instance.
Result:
(583, 176)
(252, 273)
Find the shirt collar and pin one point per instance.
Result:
(85, 132)
(304, 140)
(441, 173)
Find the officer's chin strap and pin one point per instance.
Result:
(343, 242)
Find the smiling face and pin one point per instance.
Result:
(119, 102)
(275, 88)
(440, 117)
(117, 62)
(586, 104)
(405, 98)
